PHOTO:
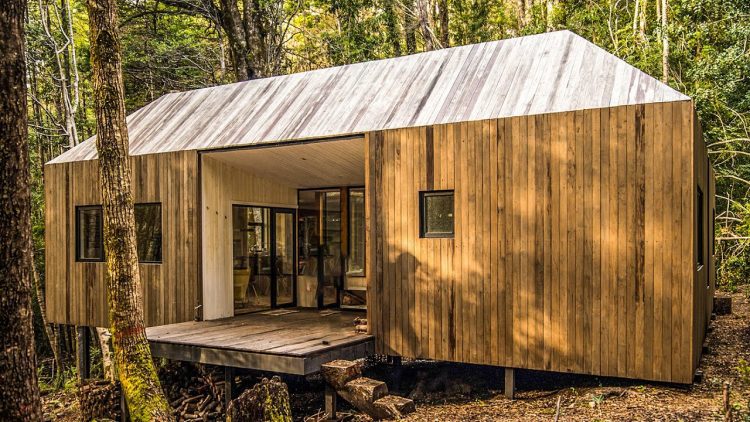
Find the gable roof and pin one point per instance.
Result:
(550, 72)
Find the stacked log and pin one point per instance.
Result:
(268, 400)
(200, 407)
(193, 395)
(360, 325)
(366, 394)
(99, 399)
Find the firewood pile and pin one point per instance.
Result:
(193, 392)
(99, 400)
(360, 325)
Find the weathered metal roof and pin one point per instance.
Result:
(551, 72)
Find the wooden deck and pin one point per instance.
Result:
(291, 341)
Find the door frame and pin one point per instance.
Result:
(272, 211)
(339, 284)
(274, 254)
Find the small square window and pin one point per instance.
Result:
(89, 233)
(436, 219)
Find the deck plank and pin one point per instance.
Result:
(294, 343)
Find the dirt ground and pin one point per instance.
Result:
(456, 392)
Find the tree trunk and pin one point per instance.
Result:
(521, 6)
(664, 42)
(135, 367)
(64, 55)
(231, 23)
(391, 23)
(410, 27)
(51, 336)
(19, 392)
(445, 38)
(423, 15)
(268, 400)
(103, 336)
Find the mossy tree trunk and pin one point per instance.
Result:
(135, 367)
(19, 393)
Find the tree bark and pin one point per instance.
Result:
(410, 27)
(51, 336)
(65, 60)
(445, 39)
(103, 336)
(522, 13)
(135, 367)
(232, 24)
(423, 15)
(391, 23)
(19, 392)
(268, 400)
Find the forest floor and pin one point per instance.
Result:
(458, 392)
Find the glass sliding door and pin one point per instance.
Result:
(331, 250)
(354, 295)
(308, 234)
(320, 266)
(251, 258)
(283, 256)
(263, 258)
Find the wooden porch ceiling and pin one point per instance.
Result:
(290, 341)
(306, 165)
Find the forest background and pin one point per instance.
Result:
(699, 47)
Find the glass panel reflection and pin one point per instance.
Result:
(284, 258)
(438, 214)
(251, 258)
(331, 248)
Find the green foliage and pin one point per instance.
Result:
(167, 53)
(734, 271)
(66, 381)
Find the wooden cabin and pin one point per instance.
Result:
(534, 203)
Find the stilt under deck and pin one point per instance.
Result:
(290, 341)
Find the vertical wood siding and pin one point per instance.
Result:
(222, 186)
(704, 276)
(572, 249)
(76, 292)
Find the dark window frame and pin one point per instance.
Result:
(79, 208)
(423, 233)
(161, 232)
(78, 251)
(349, 231)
